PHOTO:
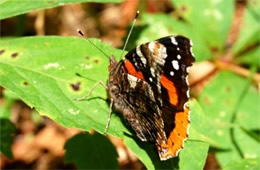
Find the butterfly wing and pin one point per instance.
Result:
(137, 102)
(164, 65)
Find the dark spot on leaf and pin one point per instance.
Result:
(254, 3)
(96, 61)
(75, 87)
(206, 100)
(183, 8)
(228, 89)
(2, 51)
(51, 2)
(214, 49)
(14, 55)
(25, 83)
(87, 58)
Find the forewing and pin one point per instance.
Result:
(164, 65)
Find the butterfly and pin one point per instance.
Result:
(150, 88)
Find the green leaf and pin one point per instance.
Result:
(252, 57)
(147, 154)
(223, 98)
(194, 155)
(248, 112)
(88, 151)
(218, 100)
(11, 8)
(168, 26)
(211, 18)
(250, 28)
(201, 128)
(41, 71)
(7, 129)
(245, 164)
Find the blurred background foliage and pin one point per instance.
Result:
(43, 127)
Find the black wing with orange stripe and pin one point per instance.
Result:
(164, 65)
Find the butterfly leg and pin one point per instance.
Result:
(109, 116)
(91, 90)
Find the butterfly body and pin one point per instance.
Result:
(150, 88)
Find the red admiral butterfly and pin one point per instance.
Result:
(150, 88)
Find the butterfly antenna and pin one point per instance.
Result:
(83, 35)
(130, 32)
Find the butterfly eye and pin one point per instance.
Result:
(115, 89)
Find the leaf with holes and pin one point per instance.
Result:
(42, 72)
(43, 75)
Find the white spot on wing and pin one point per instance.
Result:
(179, 56)
(175, 64)
(140, 54)
(187, 80)
(188, 93)
(172, 73)
(191, 43)
(152, 71)
(188, 69)
(150, 79)
(174, 41)
(151, 46)
(178, 48)
(161, 55)
(132, 80)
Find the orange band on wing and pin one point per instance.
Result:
(169, 85)
(178, 135)
(131, 70)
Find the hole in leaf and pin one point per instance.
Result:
(14, 55)
(2, 51)
(75, 87)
